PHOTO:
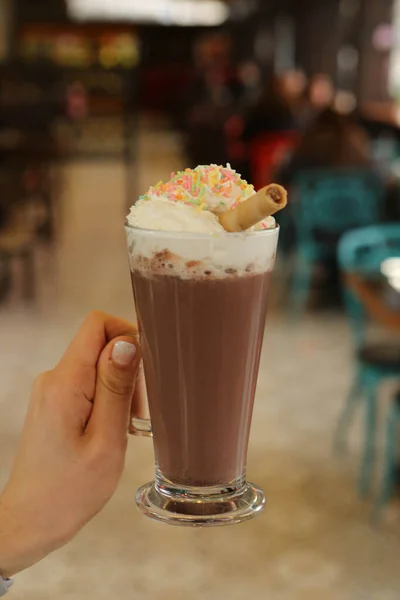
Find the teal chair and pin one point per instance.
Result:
(362, 252)
(391, 456)
(326, 204)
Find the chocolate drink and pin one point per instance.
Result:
(201, 249)
(201, 338)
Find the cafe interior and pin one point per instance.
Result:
(100, 100)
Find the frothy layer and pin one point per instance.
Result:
(188, 256)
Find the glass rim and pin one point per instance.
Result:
(203, 236)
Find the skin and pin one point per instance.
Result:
(73, 445)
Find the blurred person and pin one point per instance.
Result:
(293, 83)
(211, 50)
(318, 96)
(272, 113)
(332, 141)
(215, 82)
(73, 444)
(293, 89)
(250, 79)
(321, 92)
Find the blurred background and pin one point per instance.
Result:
(100, 99)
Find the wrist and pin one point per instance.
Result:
(20, 544)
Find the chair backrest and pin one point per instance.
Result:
(267, 153)
(362, 252)
(335, 201)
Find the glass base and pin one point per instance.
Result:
(183, 507)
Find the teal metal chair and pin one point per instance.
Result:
(361, 252)
(326, 204)
(391, 457)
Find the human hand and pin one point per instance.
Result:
(73, 444)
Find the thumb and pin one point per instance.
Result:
(117, 369)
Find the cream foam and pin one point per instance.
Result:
(194, 255)
(166, 215)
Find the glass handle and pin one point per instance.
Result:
(140, 423)
(140, 427)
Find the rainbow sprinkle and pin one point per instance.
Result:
(209, 187)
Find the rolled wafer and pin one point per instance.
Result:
(268, 201)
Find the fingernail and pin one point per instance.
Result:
(123, 353)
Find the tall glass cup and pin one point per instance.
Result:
(201, 302)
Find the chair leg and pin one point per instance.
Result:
(390, 460)
(301, 287)
(368, 458)
(345, 419)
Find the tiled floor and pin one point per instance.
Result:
(315, 539)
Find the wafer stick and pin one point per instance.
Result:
(268, 201)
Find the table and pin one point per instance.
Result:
(369, 292)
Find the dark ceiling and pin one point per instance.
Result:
(40, 10)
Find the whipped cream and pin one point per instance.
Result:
(166, 215)
(192, 200)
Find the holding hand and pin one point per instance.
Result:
(73, 444)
